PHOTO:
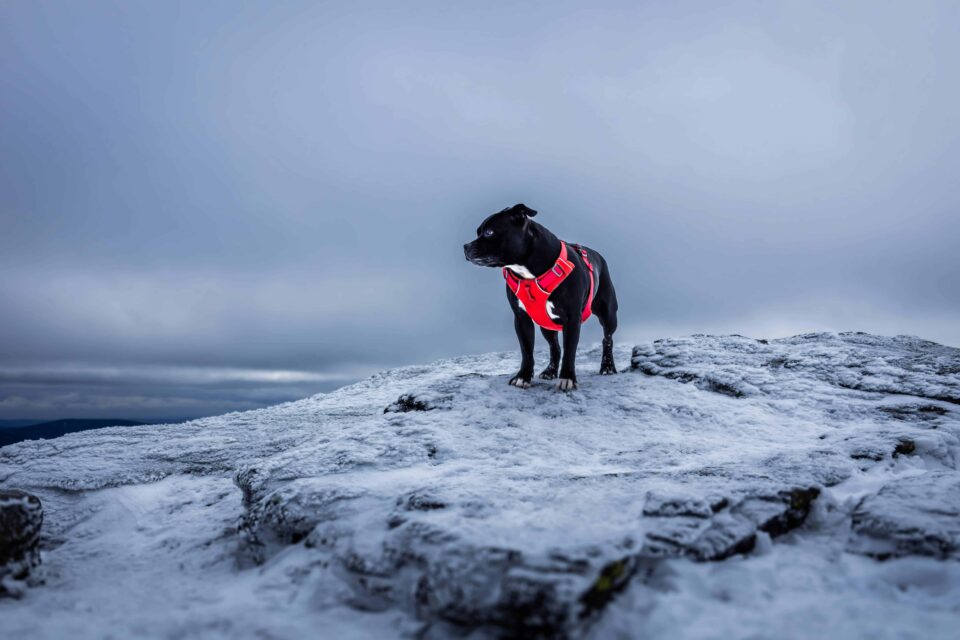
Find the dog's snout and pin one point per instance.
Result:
(466, 251)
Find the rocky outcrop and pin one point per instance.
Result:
(441, 523)
(472, 507)
(737, 366)
(917, 515)
(21, 516)
(715, 529)
(440, 574)
(407, 402)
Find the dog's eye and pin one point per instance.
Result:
(488, 233)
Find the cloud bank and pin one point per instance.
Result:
(286, 187)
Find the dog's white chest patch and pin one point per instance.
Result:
(520, 270)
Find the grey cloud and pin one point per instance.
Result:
(287, 186)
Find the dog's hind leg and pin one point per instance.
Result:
(605, 308)
(551, 371)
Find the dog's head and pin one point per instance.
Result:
(502, 238)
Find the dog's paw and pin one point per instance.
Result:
(517, 381)
(566, 384)
(549, 373)
(607, 369)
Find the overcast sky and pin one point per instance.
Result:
(209, 206)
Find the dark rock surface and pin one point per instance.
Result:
(21, 518)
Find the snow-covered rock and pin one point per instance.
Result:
(916, 515)
(713, 475)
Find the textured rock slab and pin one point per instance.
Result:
(918, 515)
(739, 367)
(716, 530)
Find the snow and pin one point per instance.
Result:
(721, 487)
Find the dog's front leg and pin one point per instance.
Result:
(525, 334)
(568, 367)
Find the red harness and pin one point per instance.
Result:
(533, 293)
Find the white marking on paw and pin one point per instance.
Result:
(520, 270)
(519, 382)
(566, 384)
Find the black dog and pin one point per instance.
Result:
(551, 283)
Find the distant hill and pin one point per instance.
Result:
(57, 428)
(6, 424)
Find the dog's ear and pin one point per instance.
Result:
(525, 210)
(520, 212)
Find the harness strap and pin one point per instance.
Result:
(587, 309)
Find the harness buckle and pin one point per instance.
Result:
(557, 271)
